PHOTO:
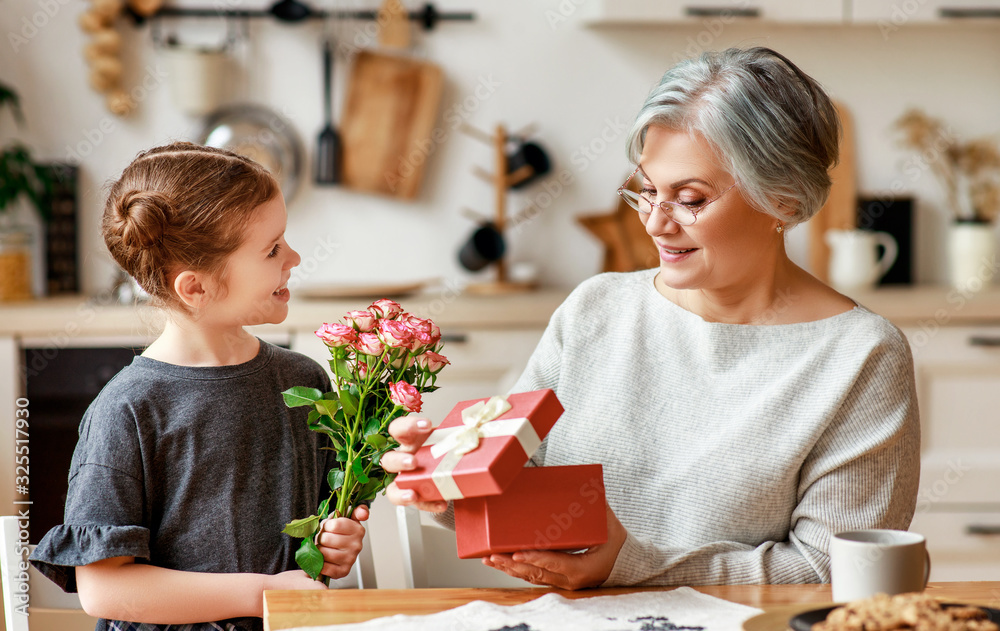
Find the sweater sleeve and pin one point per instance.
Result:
(862, 473)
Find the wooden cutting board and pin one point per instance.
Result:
(389, 115)
(841, 209)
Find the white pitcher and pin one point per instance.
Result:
(854, 261)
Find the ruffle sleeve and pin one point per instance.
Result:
(66, 547)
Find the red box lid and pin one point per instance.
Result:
(493, 465)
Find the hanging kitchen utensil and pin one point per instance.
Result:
(261, 134)
(290, 10)
(328, 150)
(395, 25)
(389, 115)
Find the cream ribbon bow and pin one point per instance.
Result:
(466, 438)
(478, 422)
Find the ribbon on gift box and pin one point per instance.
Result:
(478, 421)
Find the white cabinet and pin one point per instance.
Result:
(958, 506)
(897, 13)
(719, 12)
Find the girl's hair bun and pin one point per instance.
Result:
(181, 207)
(143, 218)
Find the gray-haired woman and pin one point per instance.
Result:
(743, 410)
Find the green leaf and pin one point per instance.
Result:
(378, 441)
(335, 478)
(342, 455)
(301, 395)
(372, 427)
(357, 468)
(328, 407)
(371, 489)
(349, 401)
(305, 527)
(324, 509)
(309, 558)
(342, 369)
(359, 471)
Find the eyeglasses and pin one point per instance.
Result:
(678, 212)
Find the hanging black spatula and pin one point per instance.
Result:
(328, 158)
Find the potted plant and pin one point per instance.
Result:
(969, 173)
(20, 178)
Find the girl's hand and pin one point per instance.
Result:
(562, 569)
(339, 541)
(411, 434)
(292, 579)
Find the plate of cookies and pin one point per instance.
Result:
(901, 612)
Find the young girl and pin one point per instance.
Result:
(189, 464)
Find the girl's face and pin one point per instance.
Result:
(256, 275)
(729, 244)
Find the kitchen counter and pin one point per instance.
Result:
(99, 316)
(74, 316)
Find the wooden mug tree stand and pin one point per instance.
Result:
(501, 181)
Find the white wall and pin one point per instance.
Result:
(581, 86)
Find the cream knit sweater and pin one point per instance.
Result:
(731, 453)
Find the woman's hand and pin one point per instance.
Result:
(562, 569)
(411, 434)
(339, 541)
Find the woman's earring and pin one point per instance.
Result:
(781, 228)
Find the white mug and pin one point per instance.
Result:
(854, 260)
(868, 562)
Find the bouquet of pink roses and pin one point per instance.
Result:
(382, 359)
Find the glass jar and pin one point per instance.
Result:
(15, 265)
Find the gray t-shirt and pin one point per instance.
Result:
(731, 452)
(194, 469)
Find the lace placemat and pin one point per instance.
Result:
(675, 610)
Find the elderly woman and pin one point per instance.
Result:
(743, 411)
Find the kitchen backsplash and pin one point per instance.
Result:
(580, 86)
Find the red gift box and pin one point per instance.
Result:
(544, 508)
(505, 443)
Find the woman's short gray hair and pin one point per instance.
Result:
(771, 124)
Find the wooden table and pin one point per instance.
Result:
(287, 609)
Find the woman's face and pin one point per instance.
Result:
(730, 244)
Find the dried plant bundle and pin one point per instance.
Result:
(969, 172)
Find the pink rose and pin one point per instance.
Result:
(432, 362)
(362, 321)
(435, 332)
(425, 332)
(394, 334)
(336, 335)
(405, 396)
(369, 344)
(386, 308)
(421, 339)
